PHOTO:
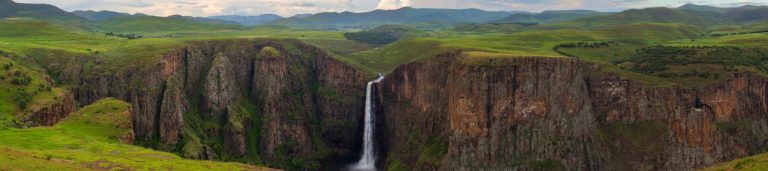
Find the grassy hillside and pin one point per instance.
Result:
(90, 140)
(549, 16)
(752, 163)
(248, 20)
(153, 26)
(44, 12)
(22, 89)
(98, 15)
(424, 18)
(21, 36)
(655, 15)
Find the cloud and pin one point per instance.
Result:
(393, 4)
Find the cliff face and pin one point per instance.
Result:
(457, 112)
(51, 113)
(261, 101)
(679, 128)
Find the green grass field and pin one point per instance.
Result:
(752, 163)
(90, 140)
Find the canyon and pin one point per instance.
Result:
(290, 105)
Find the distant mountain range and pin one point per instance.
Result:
(248, 20)
(416, 17)
(549, 16)
(407, 15)
(100, 15)
(686, 14)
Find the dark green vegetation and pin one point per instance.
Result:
(636, 139)
(380, 35)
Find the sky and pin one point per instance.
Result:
(291, 7)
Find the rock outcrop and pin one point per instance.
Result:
(49, 113)
(461, 112)
(236, 100)
(290, 105)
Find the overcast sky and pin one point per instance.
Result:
(291, 7)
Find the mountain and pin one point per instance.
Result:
(98, 15)
(301, 16)
(699, 15)
(248, 20)
(549, 16)
(747, 14)
(106, 15)
(659, 15)
(205, 20)
(150, 24)
(407, 15)
(11, 9)
(703, 8)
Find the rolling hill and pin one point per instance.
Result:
(248, 20)
(410, 16)
(549, 16)
(145, 24)
(747, 14)
(99, 15)
(12, 10)
(702, 8)
(696, 15)
(659, 15)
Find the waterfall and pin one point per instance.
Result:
(368, 160)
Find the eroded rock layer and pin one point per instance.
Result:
(279, 102)
(457, 112)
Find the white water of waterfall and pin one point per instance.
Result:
(368, 160)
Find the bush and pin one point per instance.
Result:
(658, 59)
(23, 98)
(21, 80)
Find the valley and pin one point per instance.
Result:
(682, 88)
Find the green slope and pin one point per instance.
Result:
(90, 140)
(753, 163)
(425, 18)
(21, 90)
(152, 25)
(45, 12)
(549, 16)
(658, 15)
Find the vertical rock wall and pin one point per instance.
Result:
(455, 112)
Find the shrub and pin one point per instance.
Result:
(21, 80)
(23, 98)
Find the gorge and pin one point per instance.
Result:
(412, 88)
(301, 109)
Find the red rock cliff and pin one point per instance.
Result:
(283, 101)
(458, 112)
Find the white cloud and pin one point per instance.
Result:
(393, 4)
